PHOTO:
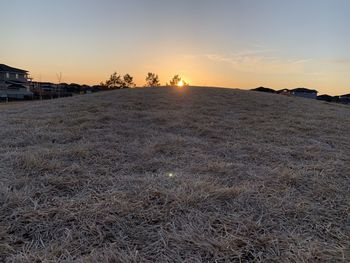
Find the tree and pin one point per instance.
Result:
(152, 80)
(59, 78)
(175, 80)
(114, 82)
(128, 81)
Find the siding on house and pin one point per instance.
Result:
(16, 77)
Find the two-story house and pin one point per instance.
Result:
(14, 83)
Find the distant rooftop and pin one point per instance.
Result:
(5, 68)
(264, 89)
(304, 90)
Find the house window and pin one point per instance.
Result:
(7, 75)
(16, 76)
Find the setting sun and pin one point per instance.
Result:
(180, 84)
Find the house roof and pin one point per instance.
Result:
(263, 89)
(5, 68)
(304, 90)
(17, 86)
(14, 82)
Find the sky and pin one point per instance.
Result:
(226, 43)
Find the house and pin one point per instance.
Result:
(345, 99)
(328, 98)
(14, 83)
(304, 93)
(285, 92)
(48, 90)
(263, 89)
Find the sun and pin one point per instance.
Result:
(180, 84)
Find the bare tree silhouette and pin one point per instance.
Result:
(114, 82)
(59, 79)
(128, 81)
(152, 80)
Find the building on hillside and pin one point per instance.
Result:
(328, 98)
(263, 89)
(14, 83)
(304, 93)
(345, 99)
(48, 90)
(285, 92)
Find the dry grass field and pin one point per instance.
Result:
(175, 175)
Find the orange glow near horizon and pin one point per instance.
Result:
(198, 71)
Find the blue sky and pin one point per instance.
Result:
(233, 43)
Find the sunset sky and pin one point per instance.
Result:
(230, 43)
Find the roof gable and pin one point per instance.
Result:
(5, 68)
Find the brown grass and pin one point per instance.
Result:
(168, 175)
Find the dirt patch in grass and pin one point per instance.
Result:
(175, 175)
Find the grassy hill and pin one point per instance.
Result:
(171, 175)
